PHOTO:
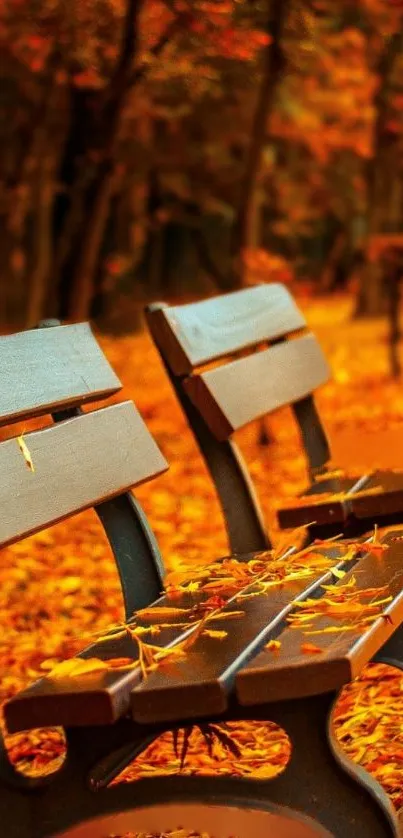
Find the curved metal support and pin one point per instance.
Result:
(313, 434)
(135, 549)
(134, 546)
(244, 521)
(319, 783)
(14, 779)
(212, 813)
(133, 543)
(391, 652)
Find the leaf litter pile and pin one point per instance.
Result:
(59, 589)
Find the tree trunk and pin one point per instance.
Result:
(381, 176)
(92, 233)
(42, 246)
(76, 171)
(273, 67)
(88, 171)
(394, 320)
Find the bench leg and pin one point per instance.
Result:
(68, 806)
(321, 781)
(392, 651)
(319, 795)
(391, 654)
(35, 807)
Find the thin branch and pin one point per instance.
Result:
(384, 72)
(272, 70)
(156, 50)
(128, 45)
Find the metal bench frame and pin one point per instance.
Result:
(319, 781)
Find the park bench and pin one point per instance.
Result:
(194, 676)
(218, 401)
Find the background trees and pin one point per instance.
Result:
(152, 147)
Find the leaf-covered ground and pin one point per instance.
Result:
(60, 587)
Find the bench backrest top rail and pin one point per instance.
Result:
(195, 334)
(42, 370)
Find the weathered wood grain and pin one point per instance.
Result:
(100, 698)
(44, 369)
(230, 396)
(290, 673)
(77, 464)
(191, 335)
(200, 684)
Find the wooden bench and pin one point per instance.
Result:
(219, 401)
(208, 661)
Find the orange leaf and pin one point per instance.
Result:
(310, 649)
(273, 645)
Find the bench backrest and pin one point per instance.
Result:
(84, 460)
(222, 399)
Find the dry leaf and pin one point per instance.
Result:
(368, 712)
(217, 635)
(310, 649)
(339, 574)
(77, 667)
(273, 645)
(25, 452)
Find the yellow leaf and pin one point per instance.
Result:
(70, 584)
(114, 635)
(218, 635)
(273, 645)
(333, 630)
(76, 667)
(310, 649)
(25, 452)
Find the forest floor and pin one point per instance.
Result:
(60, 587)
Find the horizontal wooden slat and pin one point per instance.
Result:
(232, 395)
(44, 369)
(322, 511)
(388, 501)
(194, 334)
(377, 507)
(77, 463)
(200, 684)
(100, 698)
(290, 673)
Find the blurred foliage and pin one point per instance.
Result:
(132, 162)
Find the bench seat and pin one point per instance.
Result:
(199, 682)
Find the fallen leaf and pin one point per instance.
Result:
(77, 667)
(310, 649)
(25, 452)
